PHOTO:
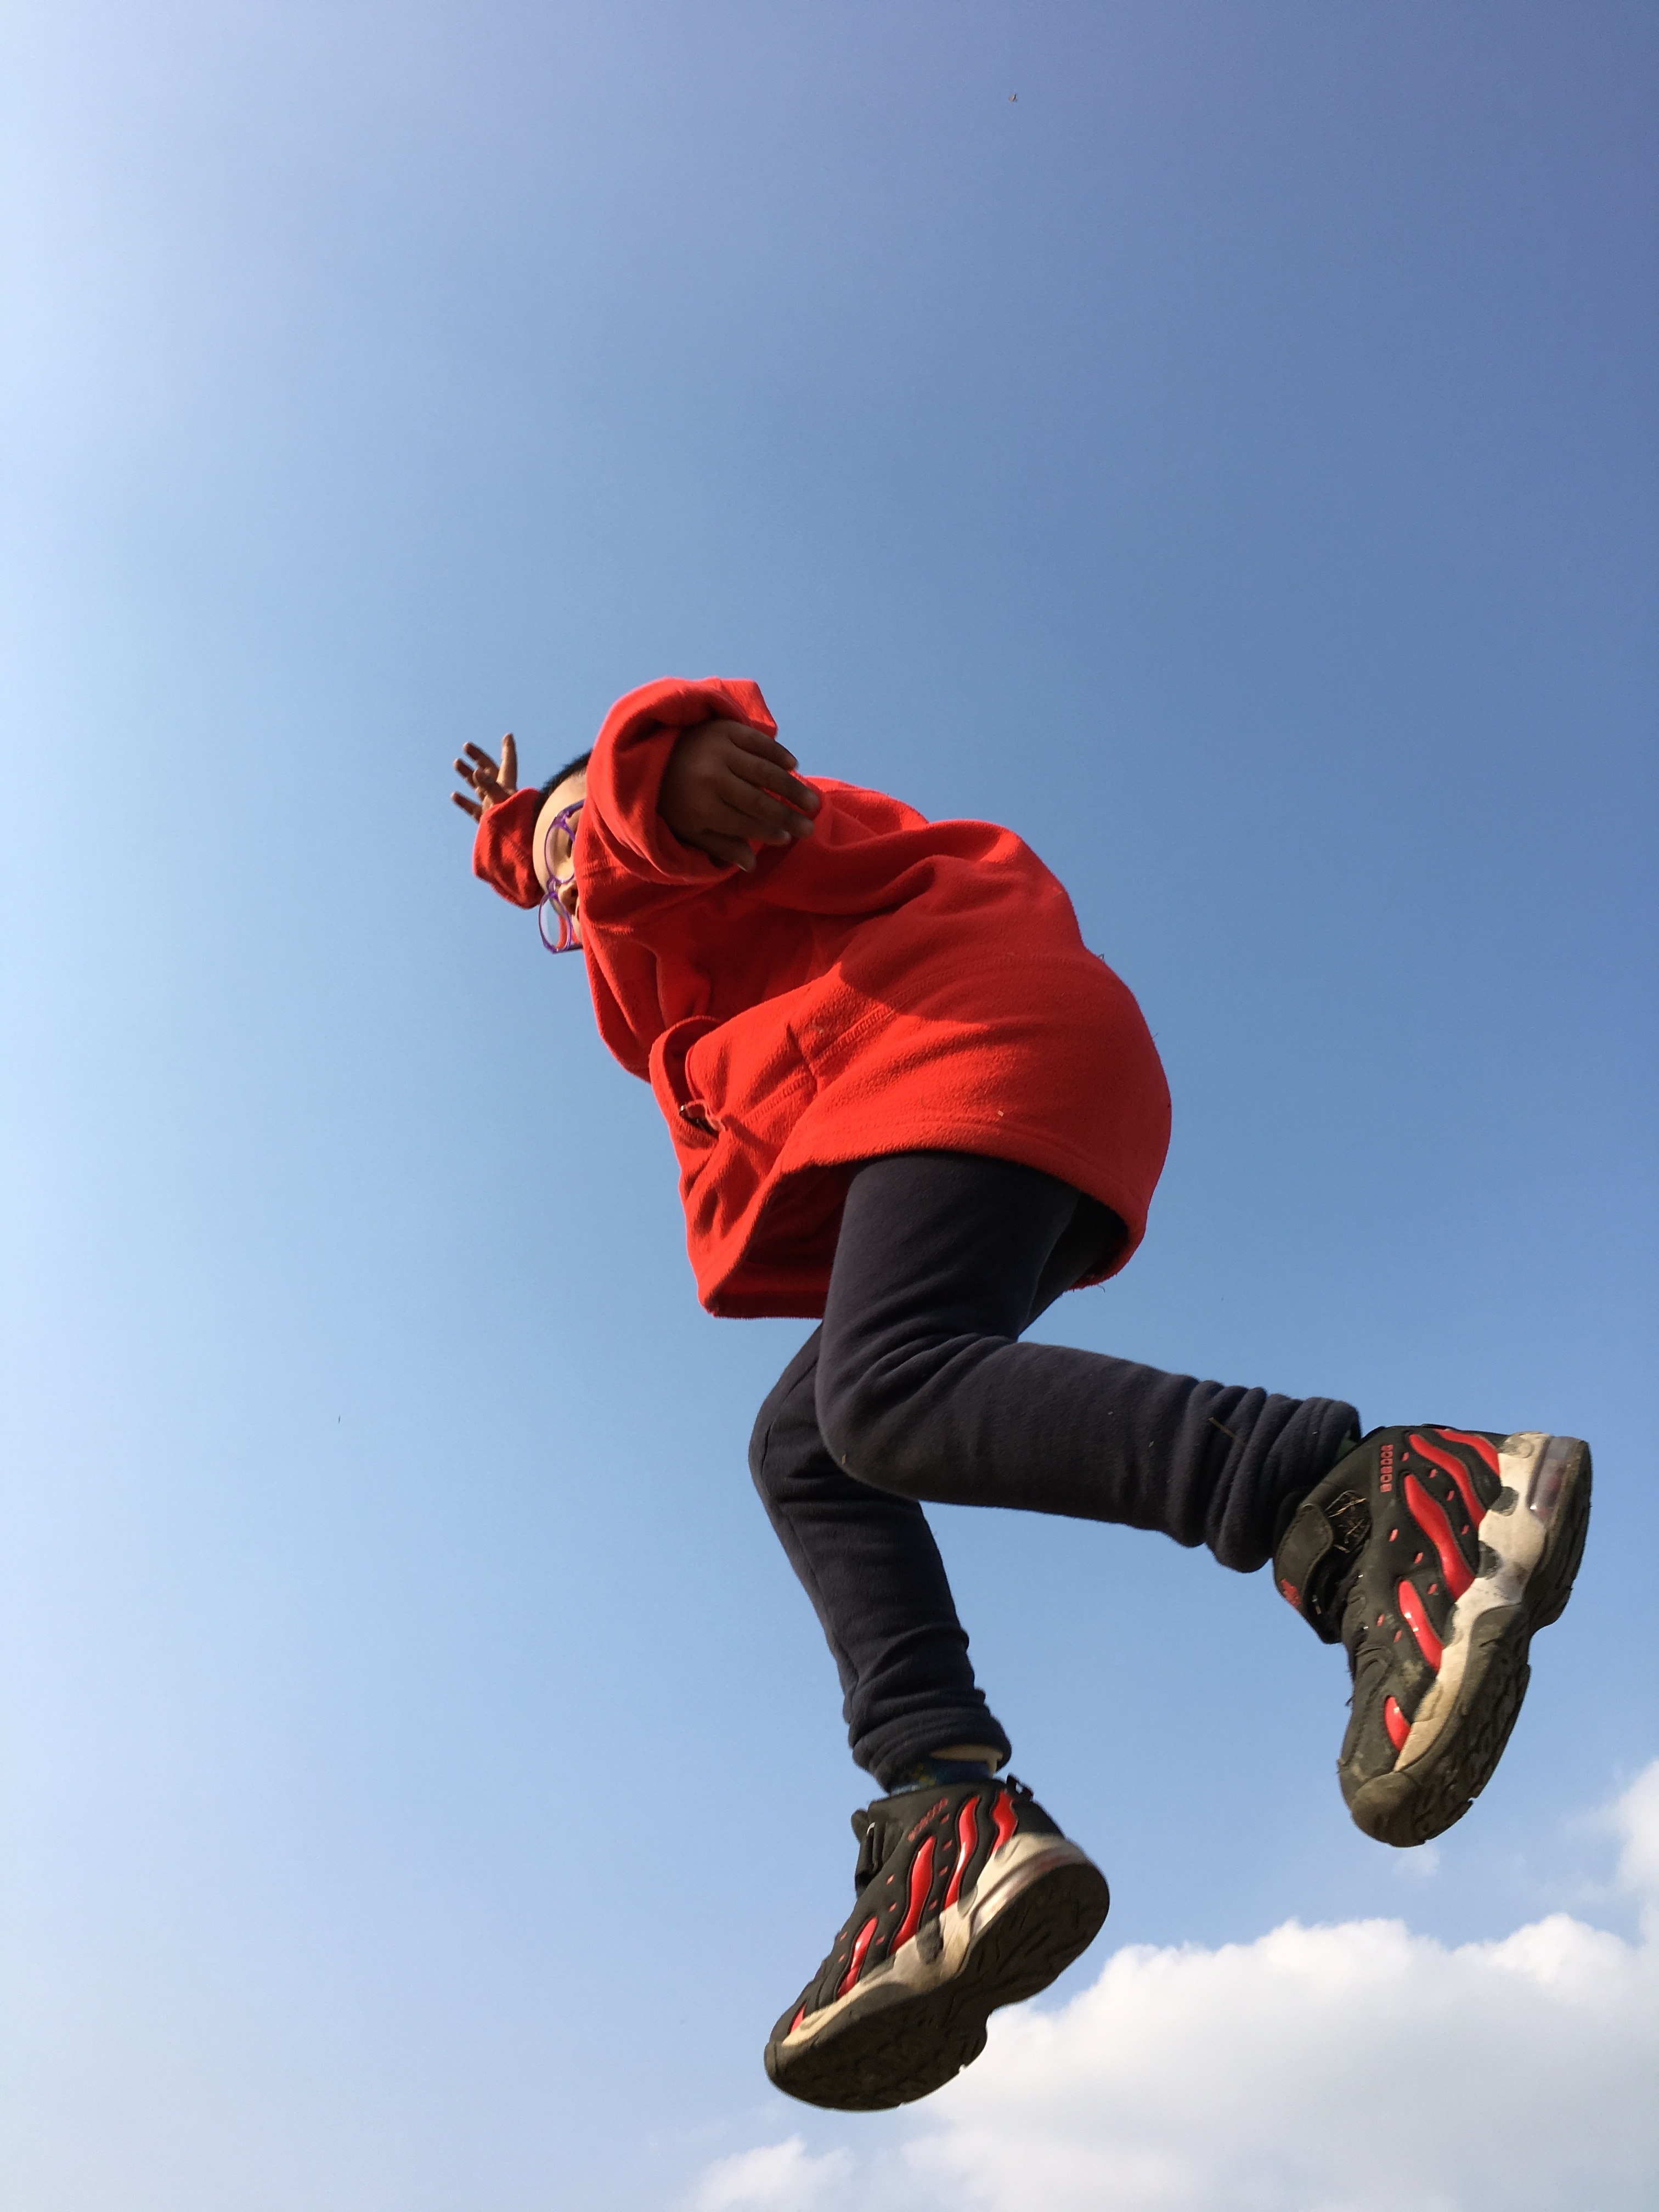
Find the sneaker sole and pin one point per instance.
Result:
(1532, 1542)
(920, 2017)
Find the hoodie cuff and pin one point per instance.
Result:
(503, 852)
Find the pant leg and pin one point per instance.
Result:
(923, 1388)
(905, 1392)
(867, 1560)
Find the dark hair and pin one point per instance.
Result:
(571, 767)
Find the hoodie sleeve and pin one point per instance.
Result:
(501, 850)
(620, 821)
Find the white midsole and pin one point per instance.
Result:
(1515, 1532)
(1009, 1869)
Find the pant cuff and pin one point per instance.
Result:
(1323, 1426)
(890, 1750)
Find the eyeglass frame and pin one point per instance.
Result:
(569, 936)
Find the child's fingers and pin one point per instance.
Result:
(467, 805)
(759, 812)
(729, 847)
(730, 852)
(754, 740)
(770, 776)
(500, 780)
(757, 743)
(485, 782)
(764, 776)
(771, 769)
(478, 771)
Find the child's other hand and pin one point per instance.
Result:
(726, 788)
(491, 780)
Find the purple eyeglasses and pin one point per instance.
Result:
(569, 940)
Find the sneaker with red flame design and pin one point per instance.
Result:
(1434, 1555)
(969, 1897)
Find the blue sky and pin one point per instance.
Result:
(1232, 462)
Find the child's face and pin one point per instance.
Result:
(552, 846)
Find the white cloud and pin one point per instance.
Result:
(779, 2178)
(1346, 2069)
(1636, 1820)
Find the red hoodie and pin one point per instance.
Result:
(886, 985)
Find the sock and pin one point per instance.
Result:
(957, 1762)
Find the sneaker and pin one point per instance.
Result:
(1434, 1555)
(969, 1897)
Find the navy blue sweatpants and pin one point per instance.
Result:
(915, 1387)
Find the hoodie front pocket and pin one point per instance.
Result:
(691, 1120)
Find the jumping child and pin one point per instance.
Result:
(908, 1103)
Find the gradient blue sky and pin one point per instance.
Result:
(1232, 462)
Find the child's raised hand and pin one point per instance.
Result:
(727, 788)
(491, 780)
